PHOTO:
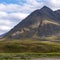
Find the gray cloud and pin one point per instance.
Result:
(12, 14)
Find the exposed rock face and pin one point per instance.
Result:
(42, 22)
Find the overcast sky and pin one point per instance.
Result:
(13, 11)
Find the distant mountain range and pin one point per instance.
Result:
(1, 36)
(41, 22)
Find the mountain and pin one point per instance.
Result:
(57, 12)
(1, 36)
(41, 22)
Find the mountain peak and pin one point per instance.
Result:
(46, 8)
(42, 22)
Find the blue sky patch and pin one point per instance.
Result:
(21, 2)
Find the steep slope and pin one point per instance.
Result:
(57, 12)
(42, 22)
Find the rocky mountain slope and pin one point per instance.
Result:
(41, 22)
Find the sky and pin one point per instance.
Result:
(14, 11)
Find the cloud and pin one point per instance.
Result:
(4, 27)
(11, 14)
(30, 6)
(18, 15)
(7, 22)
(3, 14)
(9, 7)
(54, 4)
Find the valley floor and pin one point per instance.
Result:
(29, 50)
(29, 56)
(46, 59)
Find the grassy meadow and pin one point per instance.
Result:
(28, 48)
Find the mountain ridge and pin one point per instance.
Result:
(41, 22)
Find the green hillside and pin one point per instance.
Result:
(29, 45)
